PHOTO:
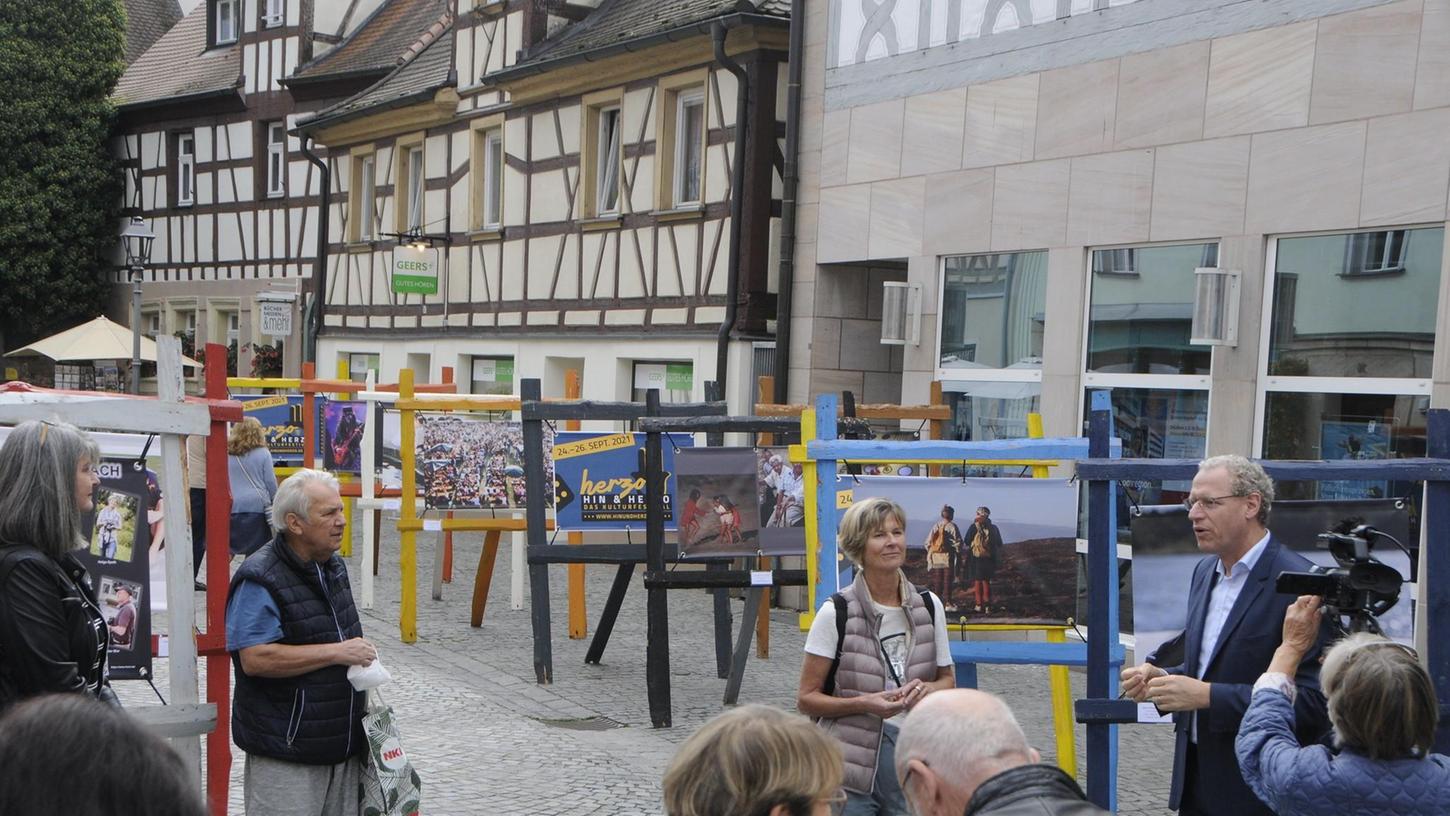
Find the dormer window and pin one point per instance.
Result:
(226, 21)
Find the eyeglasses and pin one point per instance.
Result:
(1208, 502)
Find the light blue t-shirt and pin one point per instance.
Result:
(252, 617)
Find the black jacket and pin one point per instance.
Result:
(53, 637)
(1031, 790)
(313, 718)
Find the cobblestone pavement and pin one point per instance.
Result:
(487, 739)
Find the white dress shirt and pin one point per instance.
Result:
(1221, 601)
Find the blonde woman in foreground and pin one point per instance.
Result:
(755, 761)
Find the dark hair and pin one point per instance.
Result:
(58, 754)
(948, 511)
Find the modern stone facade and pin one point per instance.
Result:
(1237, 128)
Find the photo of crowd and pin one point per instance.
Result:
(467, 463)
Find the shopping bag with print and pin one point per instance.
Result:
(390, 786)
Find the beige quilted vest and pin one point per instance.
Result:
(863, 671)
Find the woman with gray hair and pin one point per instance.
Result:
(52, 633)
(1384, 712)
(875, 650)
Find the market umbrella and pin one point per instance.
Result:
(100, 339)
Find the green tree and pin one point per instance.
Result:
(60, 186)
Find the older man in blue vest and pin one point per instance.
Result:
(293, 631)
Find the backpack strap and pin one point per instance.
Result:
(839, 602)
(930, 606)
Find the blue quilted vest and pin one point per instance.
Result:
(314, 718)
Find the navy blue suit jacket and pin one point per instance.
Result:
(1243, 652)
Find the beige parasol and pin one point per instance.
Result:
(100, 339)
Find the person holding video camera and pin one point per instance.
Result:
(1205, 675)
(1384, 711)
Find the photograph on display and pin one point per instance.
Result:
(719, 501)
(389, 444)
(781, 491)
(281, 419)
(994, 550)
(121, 602)
(113, 536)
(599, 480)
(125, 522)
(343, 425)
(468, 463)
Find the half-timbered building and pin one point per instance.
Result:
(567, 171)
(212, 165)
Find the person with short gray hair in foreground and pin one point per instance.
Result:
(1384, 712)
(962, 753)
(293, 631)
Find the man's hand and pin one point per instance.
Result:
(1177, 692)
(356, 652)
(1135, 681)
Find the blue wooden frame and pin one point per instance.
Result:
(1102, 656)
(1101, 469)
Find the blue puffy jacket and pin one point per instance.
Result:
(1313, 781)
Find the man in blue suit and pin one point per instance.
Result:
(1206, 675)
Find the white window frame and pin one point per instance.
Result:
(366, 188)
(276, 159)
(491, 198)
(415, 187)
(185, 168)
(1381, 386)
(274, 13)
(609, 158)
(1391, 260)
(679, 196)
(227, 21)
(1097, 380)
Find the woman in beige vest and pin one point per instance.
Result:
(874, 651)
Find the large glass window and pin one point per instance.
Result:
(992, 311)
(1141, 313)
(1356, 305)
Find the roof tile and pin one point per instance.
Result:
(180, 65)
(380, 42)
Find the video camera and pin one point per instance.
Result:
(1360, 588)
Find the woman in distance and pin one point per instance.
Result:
(253, 483)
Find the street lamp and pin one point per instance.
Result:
(137, 239)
